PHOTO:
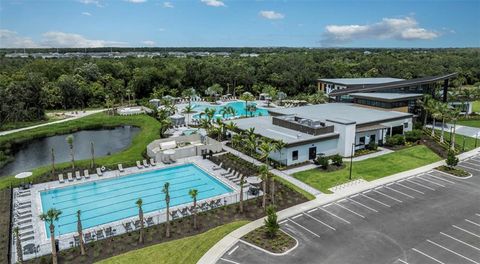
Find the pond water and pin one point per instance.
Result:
(37, 153)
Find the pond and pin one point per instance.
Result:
(37, 153)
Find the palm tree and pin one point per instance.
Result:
(80, 233)
(70, 144)
(189, 93)
(92, 151)
(433, 109)
(209, 113)
(454, 115)
(53, 162)
(251, 143)
(50, 217)
(251, 108)
(278, 146)
(242, 182)
(228, 110)
(266, 148)
(139, 203)
(193, 193)
(165, 190)
(424, 105)
(236, 139)
(444, 112)
(16, 232)
(264, 175)
(187, 111)
(247, 96)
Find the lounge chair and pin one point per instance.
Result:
(152, 161)
(23, 217)
(23, 212)
(26, 233)
(218, 167)
(86, 174)
(218, 203)
(174, 214)
(76, 239)
(99, 234)
(226, 173)
(128, 226)
(88, 237)
(23, 191)
(60, 178)
(139, 165)
(184, 211)
(204, 206)
(70, 178)
(22, 202)
(211, 204)
(145, 163)
(149, 221)
(120, 168)
(99, 172)
(110, 232)
(23, 194)
(77, 175)
(28, 238)
(25, 206)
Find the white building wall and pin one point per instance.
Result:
(327, 147)
(346, 138)
(400, 122)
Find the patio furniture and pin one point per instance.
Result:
(120, 168)
(70, 178)
(211, 204)
(174, 214)
(219, 167)
(76, 239)
(150, 221)
(204, 206)
(137, 224)
(26, 233)
(77, 175)
(226, 173)
(88, 237)
(218, 203)
(25, 206)
(99, 172)
(23, 212)
(30, 248)
(17, 202)
(86, 174)
(60, 178)
(110, 232)
(28, 238)
(128, 226)
(139, 165)
(145, 163)
(184, 211)
(152, 161)
(99, 234)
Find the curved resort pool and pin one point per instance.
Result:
(110, 200)
(238, 106)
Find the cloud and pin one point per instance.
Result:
(11, 39)
(93, 2)
(86, 14)
(136, 1)
(389, 28)
(70, 40)
(148, 43)
(168, 5)
(161, 29)
(214, 3)
(272, 15)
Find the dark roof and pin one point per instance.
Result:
(392, 85)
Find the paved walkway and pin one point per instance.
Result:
(214, 254)
(278, 173)
(75, 116)
(459, 129)
(300, 168)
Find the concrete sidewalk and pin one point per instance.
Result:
(80, 115)
(214, 254)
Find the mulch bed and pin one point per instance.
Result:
(284, 197)
(332, 167)
(5, 203)
(453, 171)
(434, 146)
(279, 244)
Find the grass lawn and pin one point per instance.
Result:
(149, 131)
(370, 169)
(186, 250)
(469, 122)
(476, 106)
(469, 141)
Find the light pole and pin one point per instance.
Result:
(351, 161)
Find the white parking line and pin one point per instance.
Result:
(415, 190)
(428, 256)
(233, 250)
(229, 261)
(351, 211)
(438, 184)
(454, 252)
(321, 222)
(403, 261)
(384, 204)
(400, 192)
(477, 214)
(469, 163)
(421, 185)
(471, 222)
(297, 216)
(313, 210)
(334, 215)
(466, 231)
(460, 241)
(282, 222)
(393, 198)
(369, 208)
(466, 167)
(306, 229)
(439, 178)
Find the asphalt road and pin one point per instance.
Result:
(428, 218)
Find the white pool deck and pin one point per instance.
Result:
(66, 240)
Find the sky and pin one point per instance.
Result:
(239, 23)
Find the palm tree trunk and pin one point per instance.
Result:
(73, 158)
(433, 128)
(52, 241)
(264, 201)
(140, 213)
(53, 163)
(425, 119)
(167, 231)
(92, 150)
(453, 135)
(195, 213)
(441, 135)
(241, 195)
(272, 190)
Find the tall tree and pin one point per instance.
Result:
(194, 193)
(139, 204)
(247, 97)
(165, 190)
(92, 152)
(80, 233)
(264, 175)
(50, 217)
(69, 140)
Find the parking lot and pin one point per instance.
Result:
(427, 218)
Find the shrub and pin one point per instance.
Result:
(322, 161)
(337, 160)
(413, 136)
(452, 160)
(372, 145)
(271, 222)
(396, 140)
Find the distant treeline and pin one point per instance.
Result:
(29, 86)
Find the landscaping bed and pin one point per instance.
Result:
(5, 218)
(453, 171)
(281, 243)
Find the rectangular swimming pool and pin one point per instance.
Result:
(109, 200)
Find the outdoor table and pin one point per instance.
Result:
(29, 249)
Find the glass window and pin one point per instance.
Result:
(362, 140)
(295, 155)
(405, 125)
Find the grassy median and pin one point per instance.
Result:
(186, 250)
(370, 169)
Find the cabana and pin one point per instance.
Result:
(177, 120)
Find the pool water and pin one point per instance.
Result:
(109, 200)
(238, 106)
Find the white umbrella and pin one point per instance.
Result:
(23, 175)
(254, 180)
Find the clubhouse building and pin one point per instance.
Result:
(334, 128)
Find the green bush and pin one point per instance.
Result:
(323, 161)
(395, 140)
(452, 160)
(337, 160)
(271, 222)
(413, 136)
(372, 145)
